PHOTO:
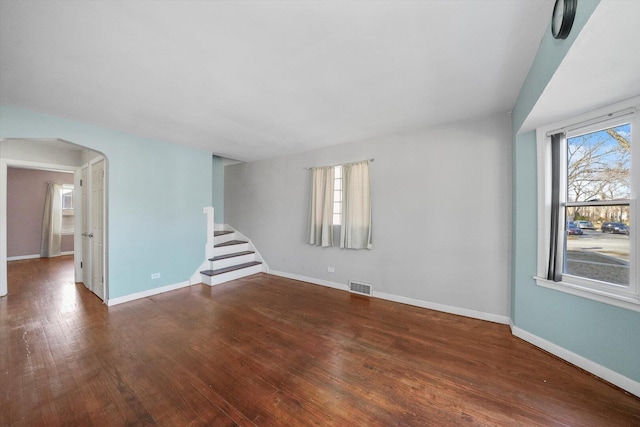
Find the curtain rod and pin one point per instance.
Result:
(340, 164)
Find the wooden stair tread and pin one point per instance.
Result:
(230, 243)
(235, 254)
(221, 232)
(232, 268)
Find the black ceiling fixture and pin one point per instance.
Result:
(564, 13)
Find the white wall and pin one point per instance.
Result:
(441, 215)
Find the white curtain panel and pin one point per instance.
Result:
(321, 207)
(52, 221)
(355, 232)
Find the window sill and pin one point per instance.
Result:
(622, 301)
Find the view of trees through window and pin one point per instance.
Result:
(597, 205)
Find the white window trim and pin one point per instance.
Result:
(66, 214)
(621, 296)
(338, 223)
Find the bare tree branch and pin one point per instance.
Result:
(598, 169)
(624, 143)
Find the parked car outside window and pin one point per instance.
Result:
(614, 227)
(586, 225)
(573, 229)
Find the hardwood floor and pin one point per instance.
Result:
(269, 351)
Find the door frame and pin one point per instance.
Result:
(78, 238)
(4, 165)
(89, 216)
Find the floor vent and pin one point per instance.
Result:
(360, 288)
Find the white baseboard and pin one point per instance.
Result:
(474, 314)
(606, 374)
(147, 293)
(312, 280)
(34, 256)
(404, 300)
(19, 257)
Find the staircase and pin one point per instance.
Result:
(232, 259)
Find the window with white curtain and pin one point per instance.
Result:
(321, 207)
(355, 230)
(341, 195)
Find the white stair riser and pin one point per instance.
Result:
(224, 238)
(224, 250)
(232, 275)
(228, 262)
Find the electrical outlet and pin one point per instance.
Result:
(331, 269)
(155, 276)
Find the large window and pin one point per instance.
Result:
(598, 179)
(587, 210)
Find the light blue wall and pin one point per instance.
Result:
(549, 56)
(524, 216)
(218, 190)
(156, 192)
(602, 333)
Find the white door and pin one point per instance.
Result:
(86, 244)
(96, 225)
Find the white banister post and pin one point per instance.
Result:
(210, 231)
(196, 277)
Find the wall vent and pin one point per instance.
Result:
(360, 288)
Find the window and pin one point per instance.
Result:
(587, 212)
(341, 195)
(66, 194)
(68, 218)
(598, 179)
(337, 196)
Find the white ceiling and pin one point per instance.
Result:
(601, 68)
(256, 79)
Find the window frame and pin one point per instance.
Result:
(336, 191)
(68, 215)
(68, 187)
(618, 295)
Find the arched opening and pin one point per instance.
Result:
(89, 170)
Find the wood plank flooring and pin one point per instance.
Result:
(268, 351)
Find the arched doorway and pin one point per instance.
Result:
(89, 167)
